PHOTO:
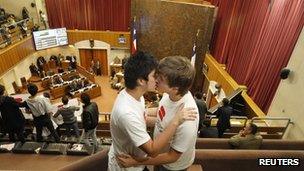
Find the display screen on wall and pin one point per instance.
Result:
(50, 38)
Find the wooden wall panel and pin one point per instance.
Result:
(105, 36)
(13, 54)
(169, 28)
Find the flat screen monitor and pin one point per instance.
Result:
(50, 38)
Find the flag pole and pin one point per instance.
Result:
(193, 57)
(134, 41)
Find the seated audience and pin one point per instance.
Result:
(206, 131)
(248, 138)
(69, 119)
(12, 117)
(223, 114)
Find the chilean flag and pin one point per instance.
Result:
(134, 42)
(193, 55)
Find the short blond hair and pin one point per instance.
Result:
(178, 71)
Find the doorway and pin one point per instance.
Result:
(87, 55)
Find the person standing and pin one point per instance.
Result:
(223, 114)
(175, 77)
(129, 118)
(41, 109)
(68, 114)
(90, 117)
(43, 19)
(13, 119)
(98, 68)
(202, 108)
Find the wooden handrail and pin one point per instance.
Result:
(86, 73)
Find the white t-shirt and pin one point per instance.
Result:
(185, 136)
(128, 129)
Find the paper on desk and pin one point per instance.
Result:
(77, 147)
(9, 147)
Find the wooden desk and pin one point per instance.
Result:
(65, 76)
(58, 91)
(93, 92)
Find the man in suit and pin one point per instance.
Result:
(223, 114)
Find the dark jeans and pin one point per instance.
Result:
(73, 126)
(18, 132)
(44, 121)
(162, 168)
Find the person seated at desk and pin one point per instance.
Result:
(68, 114)
(34, 70)
(248, 138)
(73, 86)
(57, 80)
(86, 83)
(80, 84)
(55, 58)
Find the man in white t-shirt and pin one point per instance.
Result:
(128, 116)
(176, 75)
